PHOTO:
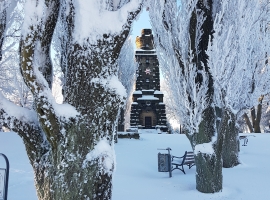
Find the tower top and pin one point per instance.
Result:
(145, 42)
(146, 31)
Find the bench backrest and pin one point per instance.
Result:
(189, 157)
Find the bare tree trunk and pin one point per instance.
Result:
(250, 128)
(256, 125)
(253, 115)
(255, 118)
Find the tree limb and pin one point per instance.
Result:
(25, 123)
(46, 39)
(31, 52)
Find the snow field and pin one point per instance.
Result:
(137, 177)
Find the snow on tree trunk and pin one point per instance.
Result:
(209, 177)
(208, 164)
(70, 145)
(230, 147)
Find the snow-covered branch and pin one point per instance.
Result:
(176, 41)
(24, 122)
(239, 53)
(34, 49)
(116, 22)
(24, 115)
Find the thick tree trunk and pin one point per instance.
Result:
(78, 157)
(209, 177)
(231, 139)
(73, 172)
(209, 173)
(208, 166)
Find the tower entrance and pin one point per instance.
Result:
(148, 122)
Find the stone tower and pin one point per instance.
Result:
(147, 109)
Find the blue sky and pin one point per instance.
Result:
(142, 22)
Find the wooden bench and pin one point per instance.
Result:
(186, 159)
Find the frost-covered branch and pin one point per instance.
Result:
(238, 56)
(11, 82)
(127, 75)
(185, 75)
(24, 115)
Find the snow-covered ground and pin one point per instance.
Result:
(137, 176)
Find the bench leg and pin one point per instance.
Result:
(245, 142)
(183, 170)
(177, 167)
(190, 165)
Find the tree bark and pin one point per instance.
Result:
(2, 26)
(256, 125)
(69, 163)
(218, 117)
(231, 140)
(255, 118)
(253, 115)
(250, 128)
(208, 166)
(47, 35)
(209, 175)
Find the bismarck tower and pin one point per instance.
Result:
(147, 109)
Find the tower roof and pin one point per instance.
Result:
(145, 41)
